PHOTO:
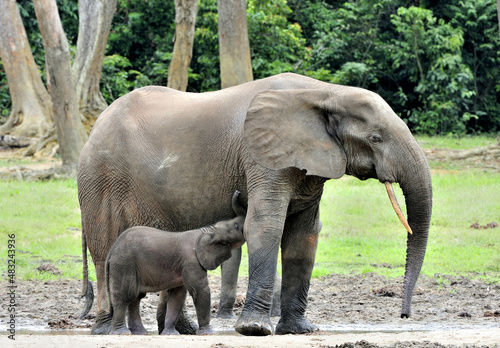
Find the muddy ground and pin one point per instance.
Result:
(351, 311)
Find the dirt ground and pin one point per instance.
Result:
(351, 311)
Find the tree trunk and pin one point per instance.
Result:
(234, 49)
(95, 18)
(185, 17)
(70, 132)
(31, 112)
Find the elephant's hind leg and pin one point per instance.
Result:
(102, 324)
(119, 326)
(134, 317)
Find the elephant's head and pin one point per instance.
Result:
(214, 246)
(346, 130)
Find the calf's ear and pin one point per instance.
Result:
(212, 250)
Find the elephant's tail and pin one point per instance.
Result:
(87, 290)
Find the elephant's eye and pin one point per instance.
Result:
(375, 138)
(236, 226)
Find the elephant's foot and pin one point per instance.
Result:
(170, 331)
(185, 326)
(225, 313)
(138, 329)
(254, 325)
(300, 326)
(102, 325)
(207, 330)
(121, 331)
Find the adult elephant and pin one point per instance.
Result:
(170, 160)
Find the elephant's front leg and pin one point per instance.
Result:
(197, 285)
(263, 230)
(298, 251)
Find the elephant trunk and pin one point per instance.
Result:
(417, 188)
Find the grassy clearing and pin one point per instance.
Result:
(467, 142)
(12, 162)
(360, 232)
(45, 218)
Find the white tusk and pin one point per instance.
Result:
(395, 205)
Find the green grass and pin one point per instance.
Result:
(361, 232)
(45, 219)
(466, 142)
(12, 162)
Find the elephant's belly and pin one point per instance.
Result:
(193, 200)
(183, 214)
(160, 283)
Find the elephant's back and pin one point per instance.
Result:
(153, 109)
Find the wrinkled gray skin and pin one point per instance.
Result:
(145, 259)
(154, 152)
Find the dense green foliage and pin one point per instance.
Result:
(436, 63)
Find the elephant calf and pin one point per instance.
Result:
(145, 259)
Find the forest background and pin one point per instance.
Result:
(437, 63)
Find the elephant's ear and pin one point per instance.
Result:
(288, 128)
(211, 250)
